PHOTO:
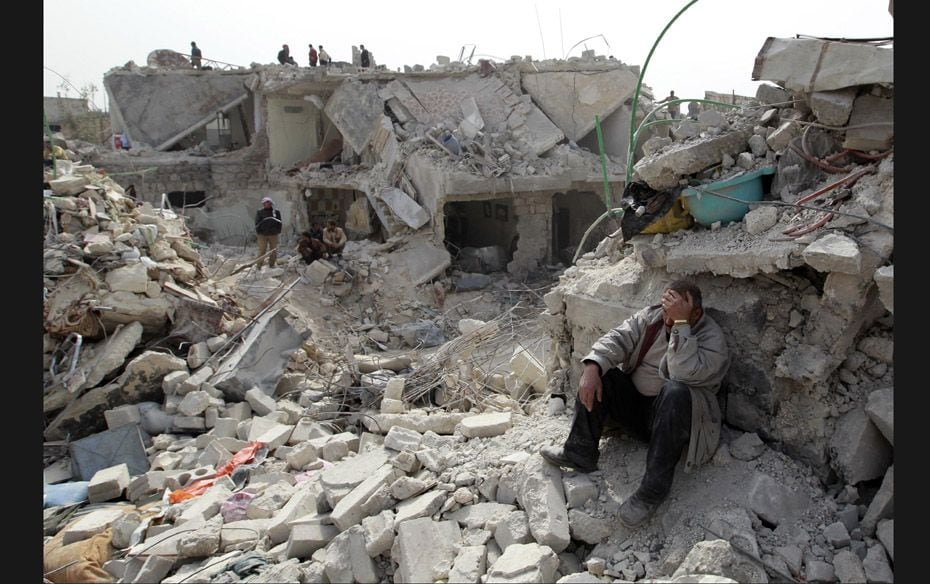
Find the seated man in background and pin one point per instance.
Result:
(334, 238)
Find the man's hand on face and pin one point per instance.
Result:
(676, 306)
(590, 386)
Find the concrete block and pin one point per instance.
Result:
(394, 389)
(421, 544)
(773, 502)
(108, 484)
(275, 435)
(197, 355)
(122, 416)
(586, 528)
(406, 461)
(871, 109)
(792, 557)
(154, 569)
(238, 411)
(261, 402)
(334, 451)
(514, 527)
(833, 107)
(876, 566)
(858, 449)
(266, 505)
(782, 136)
(347, 560)
(747, 447)
(663, 170)
(470, 564)
(760, 220)
(878, 348)
(224, 427)
(405, 487)
(68, 185)
(718, 557)
(818, 571)
(193, 382)
(848, 567)
(349, 510)
(236, 533)
(304, 500)
(339, 480)
(880, 409)
(478, 515)
(578, 488)
(305, 539)
(528, 368)
(392, 406)
(317, 272)
(215, 343)
(379, 532)
(440, 423)
(123, 528)
(202, 542)
(757, 145)
(771, 94)
(884, 278)
(189, 423)
(541, 495)
(836, 535)
(206, 506)
(485, 425)
(424, 505)
(301, 455)
(194, 403)
(399, 439)
(885, 534)
(834, 253)
(524, 562)
(91, 524)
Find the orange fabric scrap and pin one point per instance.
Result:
(199, 487)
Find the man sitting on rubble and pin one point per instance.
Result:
(284, 56)
(334, 238)
(310, 248)
(655, 375)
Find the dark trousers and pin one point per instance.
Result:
(664, 421)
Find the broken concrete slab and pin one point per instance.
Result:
(318, 271)
(350, 510)
(424, 505)
(588, 529)
(127, 307)
(91, 524)
(131, 278)
(470, 564)
(68, 185)
(142, 378)
(663, 170)
(355, 109)
(347, 560)
(528, 368)
(174, 103)
(833, 107)
(419, 260)
(440, 423)
(306, 538)
(511, 528)
(339, 480)
(718, 557)
(774, 502)
(809, 65)
(524, 562)
(578, 488)
(379, 532)
(421, 545)
(882, 505)
(876, 566)
(404, 207)
(540, 494)
(834, 253)
(108, 483)
(107, 449)
(877, 115)
(571, 99)
(111, 355)
(399, 438)
(848, 567)
(476, 516)
(260, 360)
(485, 425)
(858, 449)
(884, 277)
(760, 220)
(880, 409)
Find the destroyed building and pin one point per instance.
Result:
(499, 163)
(338, 422)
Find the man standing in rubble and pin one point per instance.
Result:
(324, 57)
(365, 58)
(267, 227)
(334, 238)
(196, 55)
(674, 109)
(656, 375)
(313, 56)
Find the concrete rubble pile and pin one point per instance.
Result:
(804, 295)
(220, 437)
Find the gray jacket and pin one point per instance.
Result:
(697, 357)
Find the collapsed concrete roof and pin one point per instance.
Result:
(158, 107)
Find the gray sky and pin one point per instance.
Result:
(712, 45)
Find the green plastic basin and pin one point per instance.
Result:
(708, 209)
